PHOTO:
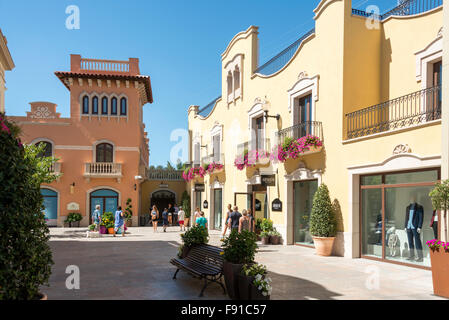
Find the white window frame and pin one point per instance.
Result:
(426, 58)
(303, 87)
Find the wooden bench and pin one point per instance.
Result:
(203, 262)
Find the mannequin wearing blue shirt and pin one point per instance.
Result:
(413, 224)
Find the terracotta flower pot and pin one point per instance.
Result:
(231, 272)
(111, 230)
(265, 240)
(323, 245)
(439, 259)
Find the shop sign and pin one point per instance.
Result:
(269, 180)
(199, 187)
(276, 205)
(205, 204)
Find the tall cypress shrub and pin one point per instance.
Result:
(322, 219)
(25, 256)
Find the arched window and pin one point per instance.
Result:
(104, 105)
(114, 106)
(104, 152)
(229, 83)
(123, 107)
(236, 78)
(95, 105)
(48, 150)
(85, 105)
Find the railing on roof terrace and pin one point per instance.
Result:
(204, 112)
(407, 8)
(281, 59)
(406, 111)
(104, 65)
(164, 175)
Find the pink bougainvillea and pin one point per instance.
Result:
(193, 173)
(292, 149)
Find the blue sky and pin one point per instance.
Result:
(179, 44)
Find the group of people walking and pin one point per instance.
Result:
(119, 219)
(170, 216)
(239, 221)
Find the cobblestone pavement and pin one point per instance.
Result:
(137, 267)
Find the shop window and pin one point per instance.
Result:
(371, 180)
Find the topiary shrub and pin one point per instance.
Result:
(25, 256)
(185, 203)
(322, 219)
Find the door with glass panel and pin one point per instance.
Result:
(260, 208)
(397, 218)
(437, 84)
(302, 116)
(218, 209)
(303, 192)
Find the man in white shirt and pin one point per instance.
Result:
(181, 216)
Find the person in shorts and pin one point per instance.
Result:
(181, 216)
(165, 216)
(96, 217)
(119, 221)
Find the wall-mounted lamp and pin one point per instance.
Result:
(277, 117)
(72, 188)
(135, 187)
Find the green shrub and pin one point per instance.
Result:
(128, 210)
(92, 227)
(185, 204)
(73, 217)
(258, 224)
(25, 256)
(322, 218)
(241, 247)
(266, 225)
(195, 235)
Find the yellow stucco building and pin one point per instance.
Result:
(369, 88)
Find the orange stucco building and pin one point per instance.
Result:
(103, 147)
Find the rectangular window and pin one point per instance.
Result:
(302, 116)
(216, 148)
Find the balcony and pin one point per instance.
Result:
(406, 111)
(299, 130)
(103, 170)
(164, 175)
(255, 152)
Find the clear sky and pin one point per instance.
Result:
(179, 44)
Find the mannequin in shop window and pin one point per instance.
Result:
(414, 214)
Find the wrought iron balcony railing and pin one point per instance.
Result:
(103, 170)
(412, 109)
(299, 130)
(407, 8)
(164, 175)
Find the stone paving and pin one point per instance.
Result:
(137, 267)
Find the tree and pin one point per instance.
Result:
(25, 256)
(440, 201)
(322, 218)
(169, 166)
(185, 203)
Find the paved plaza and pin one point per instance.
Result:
(137, 267)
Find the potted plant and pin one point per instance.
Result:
(275, 237)
(185, 201)
(265, 236)
(439, 251)
(247, 277)
(322, 222)
(238, 249)
(261, 288)
(25, 256)
(92, 227)
(108, 222)
(258, 226)
(128, 213)
(194, 236)
(73, 219)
